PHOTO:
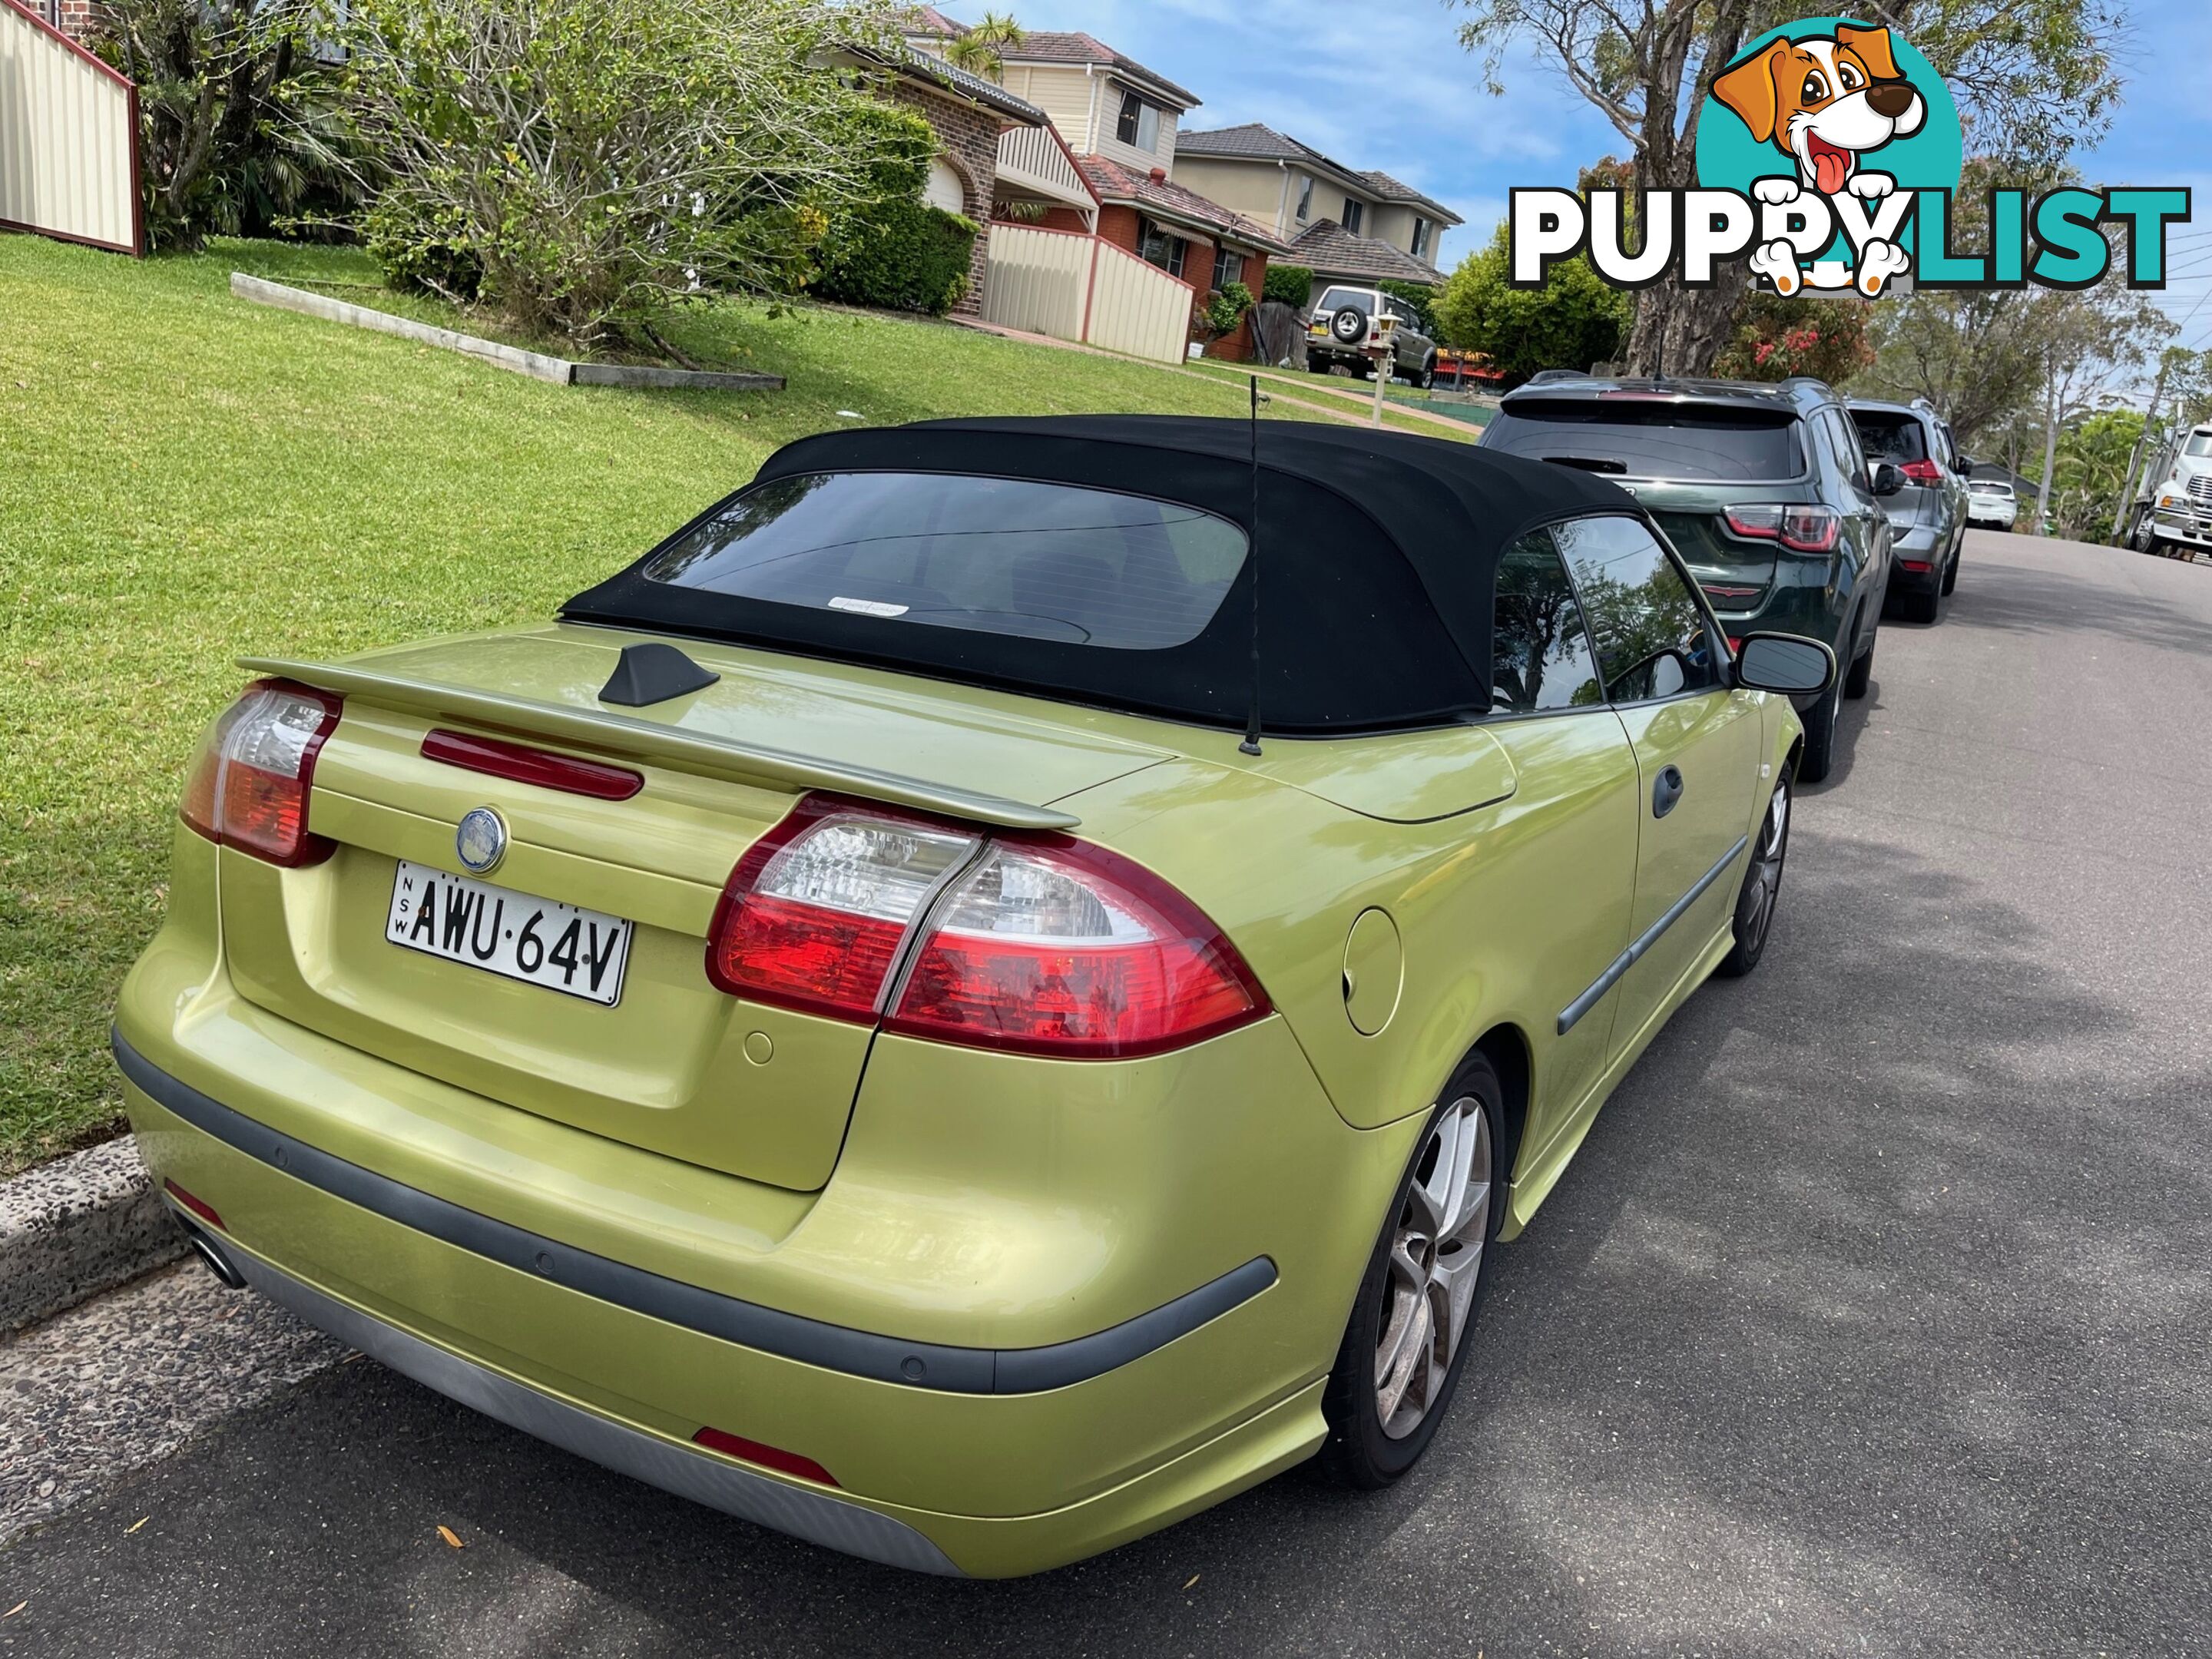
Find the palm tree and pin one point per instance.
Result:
(978, 51)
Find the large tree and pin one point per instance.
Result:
(1573, 321)
(2032, 77)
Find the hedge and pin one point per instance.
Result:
(902, 255)
(1288, 285)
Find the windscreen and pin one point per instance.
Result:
(1624, 438)
(2200, 443)
(1896, 439)
(996, 556)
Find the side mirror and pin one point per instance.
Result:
(1887, 480)
(1784, 663)
(1966, 466)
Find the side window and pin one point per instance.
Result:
(1539, 650)
(1653, 639)
(1851, 454)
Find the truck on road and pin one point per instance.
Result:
(2171, 513)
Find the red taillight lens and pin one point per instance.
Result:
(1068, 950)
(198, 1206)
(248, 788)
(1042, 944)
(1917, 567)
(1801, 529)
(768, 1457)
(497, 758)
(1922, 472)
(815, 914)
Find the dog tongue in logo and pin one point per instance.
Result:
(1830, 166)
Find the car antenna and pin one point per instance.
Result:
(1251, 743)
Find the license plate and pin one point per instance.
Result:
(580, 953)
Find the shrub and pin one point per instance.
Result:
(1288, 285)
(901, 255)
(598, 161)
(1418, 298)
(1572, 321)
(234, 129)
(1226, 309)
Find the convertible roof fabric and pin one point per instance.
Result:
(1378, 551)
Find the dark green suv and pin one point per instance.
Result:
(1765, 490)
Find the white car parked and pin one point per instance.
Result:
(1991, 504)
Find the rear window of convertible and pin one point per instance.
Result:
(1037, 560)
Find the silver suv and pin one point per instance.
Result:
(1338, 322)
(1928, 517)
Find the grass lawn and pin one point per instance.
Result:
(1328, 390)
(185, 478)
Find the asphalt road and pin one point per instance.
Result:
(1876, 1315)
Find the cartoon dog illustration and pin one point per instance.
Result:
(1823, 101)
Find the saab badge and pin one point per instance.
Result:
(481, 840)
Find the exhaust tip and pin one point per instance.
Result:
(212, 1258)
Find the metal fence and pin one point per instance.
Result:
(1075, 286)
(69, 138)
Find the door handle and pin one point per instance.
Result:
(1666, 790)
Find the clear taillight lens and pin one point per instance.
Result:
(1047, 946)
(249, 784)
(1072, 950)
(815, 914)
(1801, 529)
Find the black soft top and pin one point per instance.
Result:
(1378, 551)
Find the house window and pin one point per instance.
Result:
(1305, 199)
(1228, 268)
(1155, 246)
(1352, 213)
(1421, 229)
(1139, 123)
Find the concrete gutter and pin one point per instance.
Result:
(559, 371)
(80, 1225)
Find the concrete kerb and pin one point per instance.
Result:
(558, 371)
(79, 1225)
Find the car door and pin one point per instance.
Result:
(1563, 872)
(1698, 749)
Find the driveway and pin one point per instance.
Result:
(1875, 1316)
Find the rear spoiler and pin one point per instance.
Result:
(667, 745)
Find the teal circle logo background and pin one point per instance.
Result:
(1730, 158)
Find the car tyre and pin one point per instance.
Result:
(1951, 570)
(1820, 753)
(1394, 1380)
(1862, 674)
(1914, 608)
(1318, 365)
(1427, 377)
(1755, 901)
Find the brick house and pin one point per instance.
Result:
(970, 116)
(1119, 120)
(1184, 235)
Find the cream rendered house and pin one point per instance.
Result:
(1344, 224)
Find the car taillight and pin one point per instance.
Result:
(1068, 949)
(249, 785)
(815, 912)
(1922, 472)
(1801, 529)
(1046, 945)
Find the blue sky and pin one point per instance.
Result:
(1384, 83)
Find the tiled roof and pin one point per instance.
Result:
(1332, 250)
(1072, 47)
(1255, 142)
(1393, 190)
(1171, 202)
(951, 77)
(928, 20)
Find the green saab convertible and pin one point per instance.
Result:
(996, 988)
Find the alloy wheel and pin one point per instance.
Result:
(1766, 868)
(1435, 1261)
